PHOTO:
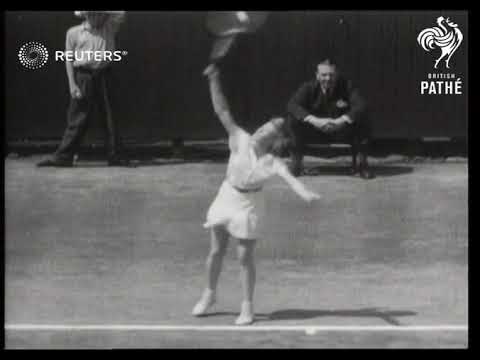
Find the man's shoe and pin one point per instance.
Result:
(353, 171)
(366, 174)
(118, 162)
(55, 163)
(296, 169)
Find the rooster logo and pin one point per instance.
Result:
(447, 37)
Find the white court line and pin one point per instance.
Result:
(305, 328)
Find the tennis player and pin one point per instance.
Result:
(238, 209)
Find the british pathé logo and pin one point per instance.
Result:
(447, 37)
(441, 84)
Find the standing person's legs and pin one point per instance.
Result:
(218, 248)
(297, 147)
(358, 136)
(78, 115)
(110, 128)
(348, 135)
(245, 251)
(363, 141)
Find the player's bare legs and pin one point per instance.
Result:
(245, 251)
(218, 248)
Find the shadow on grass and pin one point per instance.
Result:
(302, 314)
(336, 170)
(389, 316)
(160, 157)
(218, 154)
(134, 163)
(95, 160)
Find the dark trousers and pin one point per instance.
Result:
(358, 135)
(93, 85)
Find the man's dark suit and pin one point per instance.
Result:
(341, 99)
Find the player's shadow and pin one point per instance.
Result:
(336, 170)
(389, 316)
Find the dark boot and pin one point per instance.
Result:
(354, 168)
(296, 164)
(117, 161)
(364, 169)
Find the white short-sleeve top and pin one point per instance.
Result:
(245, 170)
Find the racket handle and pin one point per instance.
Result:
(211, 70)
(220, 47)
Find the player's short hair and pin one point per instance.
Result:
(278, 122)
(283, 142)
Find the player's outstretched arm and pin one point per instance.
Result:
(296, 185)
(220, 104)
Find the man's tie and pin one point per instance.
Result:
(327, 92)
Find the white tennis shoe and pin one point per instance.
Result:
(246, 316)
(206, 301)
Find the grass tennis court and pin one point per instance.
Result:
(93, 245)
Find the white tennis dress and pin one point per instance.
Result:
(240, 204)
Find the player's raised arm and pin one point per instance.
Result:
(220, 104)
(115, 19)
(79, 13)
(296, 185)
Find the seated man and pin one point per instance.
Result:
(328, 110)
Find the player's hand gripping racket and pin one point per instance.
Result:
(227, 25)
